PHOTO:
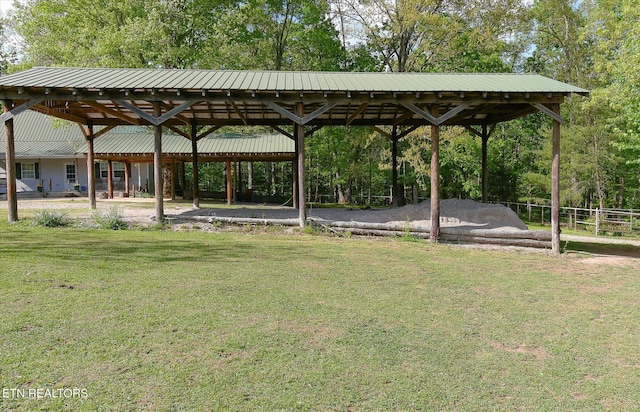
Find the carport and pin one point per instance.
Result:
(194, 103)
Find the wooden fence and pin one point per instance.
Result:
(601, 221)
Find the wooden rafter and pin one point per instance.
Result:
(115, 113)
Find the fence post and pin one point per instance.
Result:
(575, 219)
(631, 220)
(597, 221)
(542, 215)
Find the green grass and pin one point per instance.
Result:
(164, 320)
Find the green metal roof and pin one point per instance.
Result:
(106, 78)
(110, 97)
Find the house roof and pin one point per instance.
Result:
(38, 136)
(102, 96)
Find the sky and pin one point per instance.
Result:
(6, 5)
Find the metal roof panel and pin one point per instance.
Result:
(284, 81)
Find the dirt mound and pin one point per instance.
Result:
(453, 213)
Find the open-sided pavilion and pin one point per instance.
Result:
(194, 103)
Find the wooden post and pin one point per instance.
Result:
(183, 177)
(239, 186)
(294, 191)
(110, 178)
(91, 170)
(194, 162)
(435, 178)
(158, 178)
(229, 184)
(302, 204)
(485, 167)
(172, 179)
(294, 168)
(395, 201)
(127, 173)
(10, 166)
(555, 185)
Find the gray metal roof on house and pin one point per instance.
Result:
(38, 136)
(220, 144)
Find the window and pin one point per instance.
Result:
(28, 170)
(70, 172)
(104, 171)
(118, 170)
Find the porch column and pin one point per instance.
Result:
(435, 178)
(10, 166)
(229, 184)
(555, 185)
(485, 175)
(194, 162)
(395, 201)
(91, 170)
(302, 204)
(158, 178)
(110, 178)
(127, 172)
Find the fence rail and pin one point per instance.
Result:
(612, 221)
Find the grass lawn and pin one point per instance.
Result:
(167, 320)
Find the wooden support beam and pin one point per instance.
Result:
(549, 112)
(302, 204)
(395, 201)
(229, 183)
(112, 112)
(357, 113)
(172, 179)
(194, 154)
(435, 178)
(302, 120)
(127, 174)
(10, 164)
(179, 131)
(436, 120)
(207, 132)
(294, 166)
(382, 132)
(158, 177)
(110, 178)
(104, 130)
(239, 113)
(555, 183)
(406, 132)
(485, 166)
(13, 111)
(91, 170)
(283, 132)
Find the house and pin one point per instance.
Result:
(51, 154)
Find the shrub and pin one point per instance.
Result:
(111, 219)
(51, 218)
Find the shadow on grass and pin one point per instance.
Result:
(604, 249)
(57, 244)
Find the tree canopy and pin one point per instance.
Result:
(590, 43)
